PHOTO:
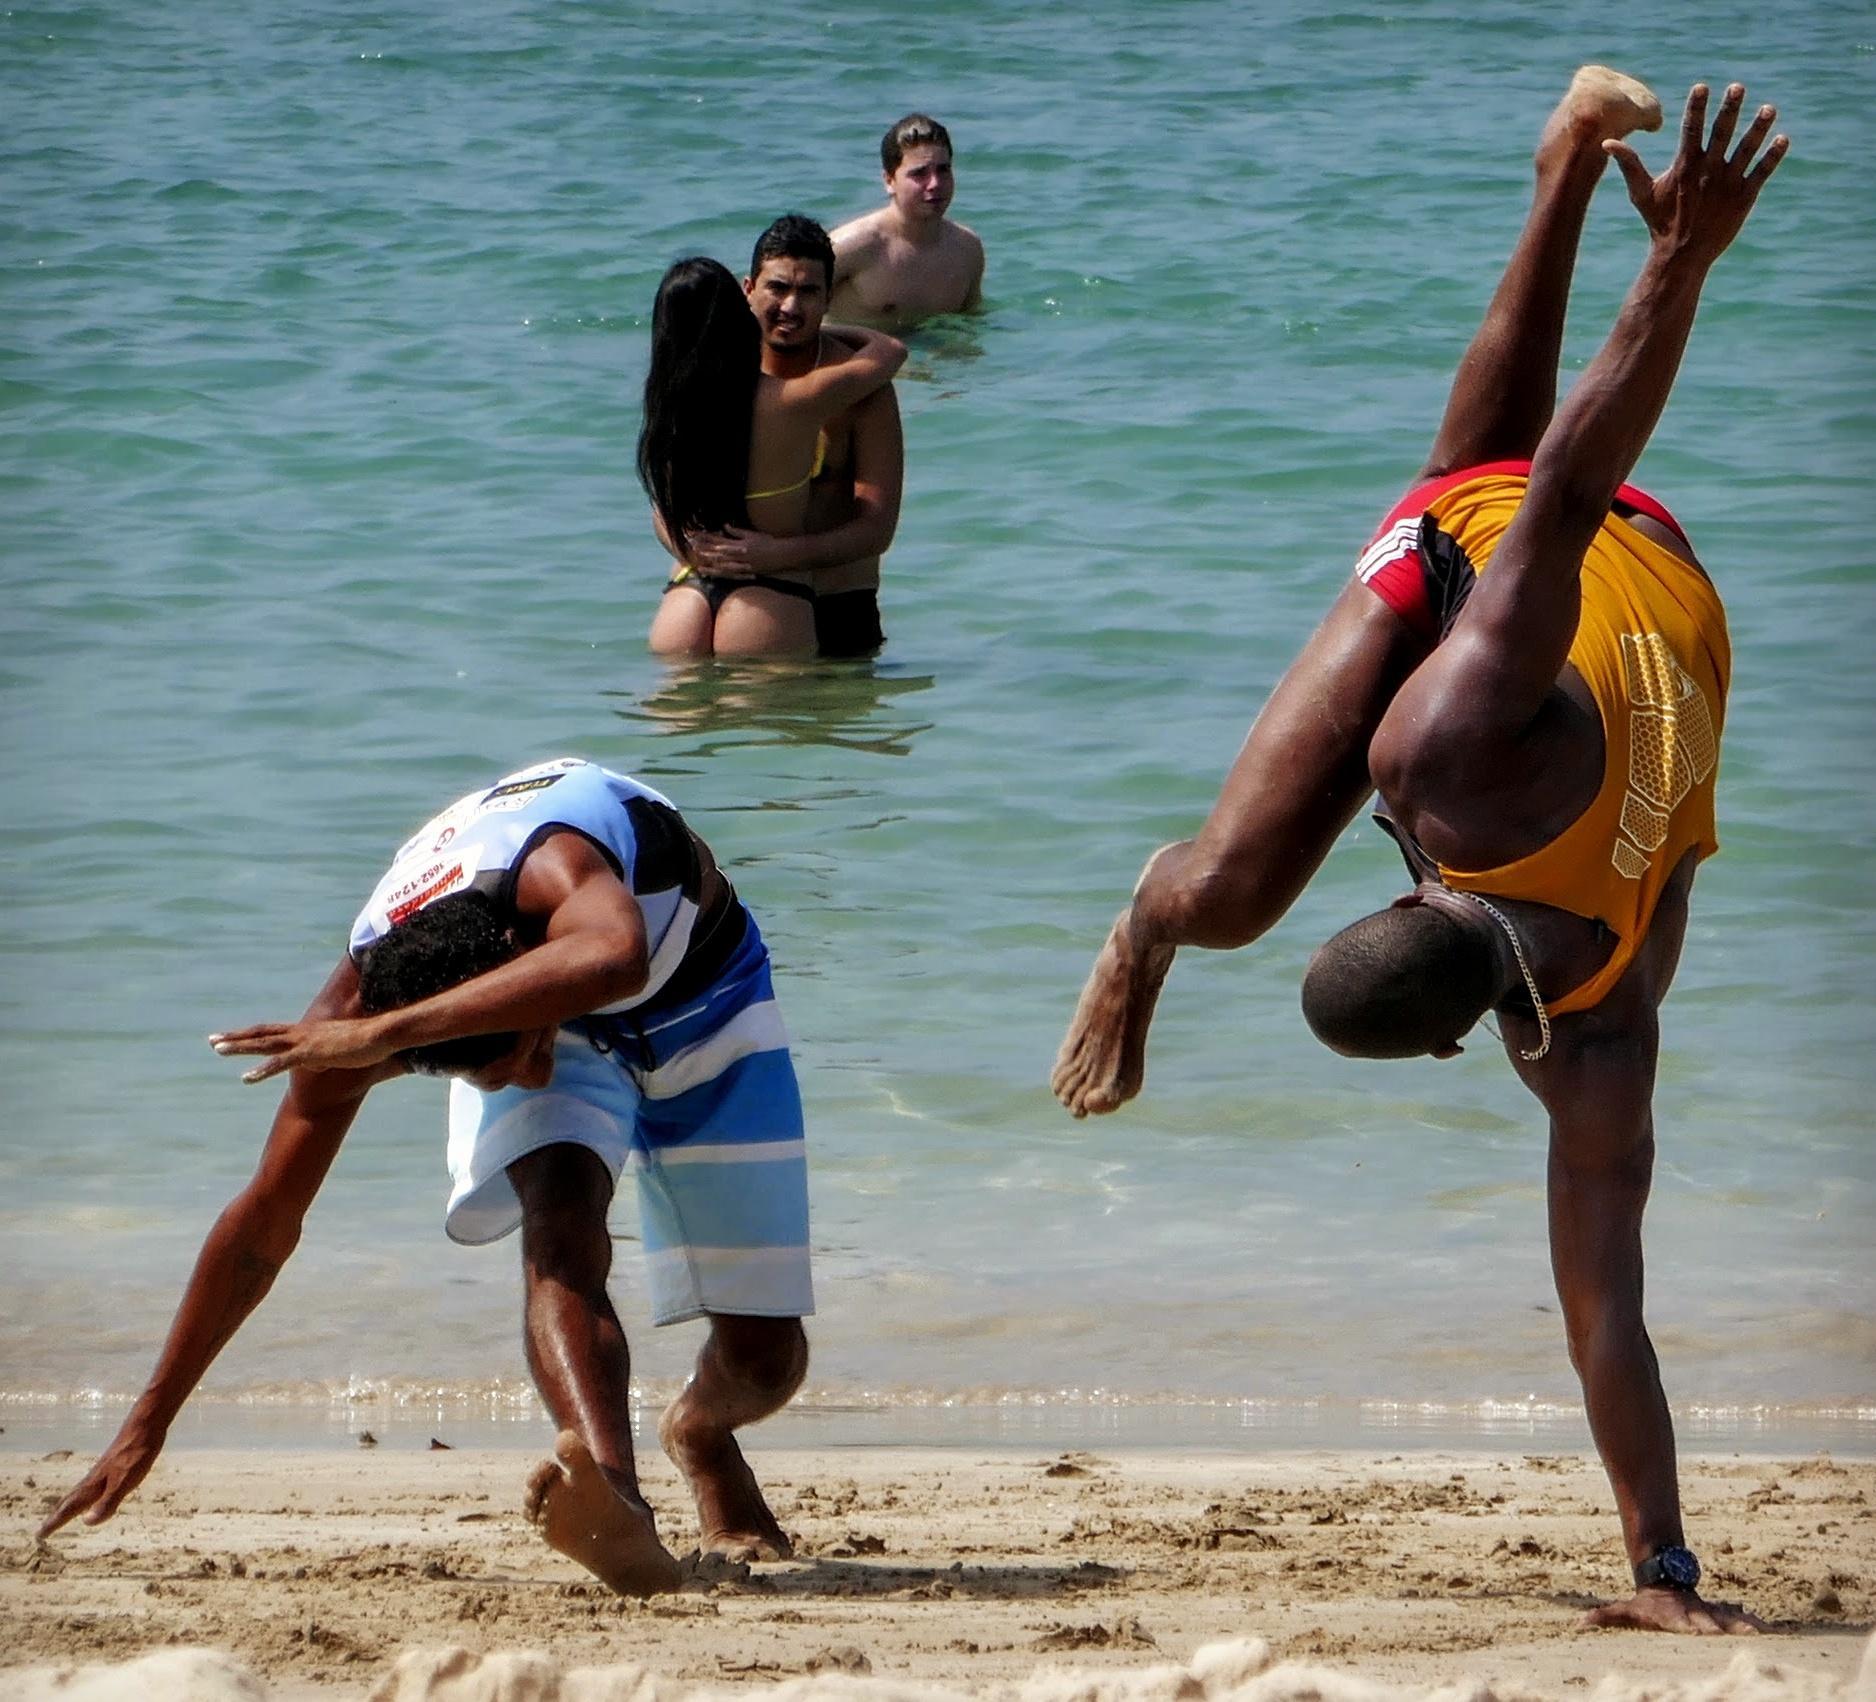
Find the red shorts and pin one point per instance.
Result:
(1423, 573)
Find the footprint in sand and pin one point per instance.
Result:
(579, 1513)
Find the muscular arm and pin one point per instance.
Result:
(243, 1253)
(1462, 718)
(1597, 1083)
(878, 485)
(1501, 663)
(592, 953)
(974, 294)
(870, 359)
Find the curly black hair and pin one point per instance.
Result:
(444, 944)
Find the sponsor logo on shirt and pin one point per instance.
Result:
(413, 895)
(1673, 747)
(518, 788)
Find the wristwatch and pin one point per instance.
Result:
(1672, 1568)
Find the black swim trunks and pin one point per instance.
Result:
(846, 623)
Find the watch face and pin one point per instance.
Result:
(1679, 1568)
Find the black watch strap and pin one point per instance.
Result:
(1671, 1568)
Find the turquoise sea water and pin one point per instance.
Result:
(318, 376)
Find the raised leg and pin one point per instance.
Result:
(1506, 386)
(585, 1501)
(748, 1369)
(1298, 781)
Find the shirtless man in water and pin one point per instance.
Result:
(907, 261)
(1550, 725)
(564, 948)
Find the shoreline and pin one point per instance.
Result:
(508, 1415)
(959, 1568)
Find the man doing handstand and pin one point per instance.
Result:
(1532, 667)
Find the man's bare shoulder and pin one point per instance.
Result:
(968, 237)
(835, 349)
(858, 237)
(874, 411)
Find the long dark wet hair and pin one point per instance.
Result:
(700, 396)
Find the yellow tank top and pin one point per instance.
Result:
(1653, 650)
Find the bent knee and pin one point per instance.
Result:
(1221, 906)
(770, 1354)
(1602, 1335)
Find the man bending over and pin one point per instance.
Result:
(1532, 666)
(564, 948)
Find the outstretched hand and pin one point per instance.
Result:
(1673, 1610)
(1698, 204)
(120, 1468)
(348, 1043)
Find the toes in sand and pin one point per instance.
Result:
(579, 1513)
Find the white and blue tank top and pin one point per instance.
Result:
(480, 842)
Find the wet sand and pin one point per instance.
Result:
(947, 1570)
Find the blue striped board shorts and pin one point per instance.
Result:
(703, 1107)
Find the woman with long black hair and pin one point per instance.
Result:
(726, 444)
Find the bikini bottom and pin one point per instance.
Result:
(716, 589)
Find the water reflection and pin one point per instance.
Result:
(846, 705)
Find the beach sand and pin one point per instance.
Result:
(941, 1571)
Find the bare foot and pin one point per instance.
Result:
(579, 1513)
(1673, 1610)
(737, 1524)
(1600, 105)
(1102, 1063)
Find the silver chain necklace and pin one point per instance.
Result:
(1524, 968)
